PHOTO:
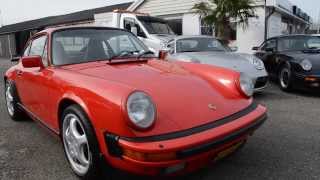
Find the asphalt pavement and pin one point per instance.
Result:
(287, 146)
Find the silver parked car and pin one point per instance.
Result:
(208, 50)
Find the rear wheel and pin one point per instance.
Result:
(12, 101)
(80, 144)
(285, 78)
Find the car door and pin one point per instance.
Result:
(267, 53)
(34, 80)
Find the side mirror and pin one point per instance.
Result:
(163, 54)
(255, 48)
(15, 59)
(134, 30)
(32, 62)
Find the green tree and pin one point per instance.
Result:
(220, 12)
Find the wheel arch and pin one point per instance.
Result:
(67, 101)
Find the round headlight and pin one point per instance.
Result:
(256, 62)
(306, 65)
(141, 110)
(246, 85)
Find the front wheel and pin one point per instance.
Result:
(80, 144)
(12, 101)
(285, 78)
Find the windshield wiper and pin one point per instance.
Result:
(122, 55)
(144, 53)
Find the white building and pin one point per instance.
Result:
(275, 17)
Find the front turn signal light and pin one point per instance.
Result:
(149, 157)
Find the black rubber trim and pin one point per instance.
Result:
(231, 137)
(194, 130)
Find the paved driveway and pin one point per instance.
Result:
(286, 147)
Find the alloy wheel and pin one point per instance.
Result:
(9, 100)
(285, 78)
(76, 144)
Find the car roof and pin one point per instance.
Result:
(295, 35)
(53, 29)
(193, 36)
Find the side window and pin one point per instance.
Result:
(129, 22)
(270, 44)
(38, 48)
(26, 51)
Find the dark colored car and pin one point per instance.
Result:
(294, 60)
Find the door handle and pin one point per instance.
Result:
(19, 73)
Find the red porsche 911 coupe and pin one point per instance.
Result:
(110, 100)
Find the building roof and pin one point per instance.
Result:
(86, 15)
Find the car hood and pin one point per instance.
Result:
(164, 37)
(313, 56)
(181, 97)
(234, 61)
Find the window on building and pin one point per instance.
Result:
(206, 29)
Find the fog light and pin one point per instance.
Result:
(149, 157)
(174, 168)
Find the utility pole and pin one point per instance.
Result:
(1, 20)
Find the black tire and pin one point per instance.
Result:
(285, 78)
(16, 113)
(97, 166)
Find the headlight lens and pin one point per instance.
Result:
(246, 84)
(306, 65)
(141, 110)
(256, 62)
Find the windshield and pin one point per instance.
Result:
(73, 46)
(155, 25)
(299, 43)
(199, 44)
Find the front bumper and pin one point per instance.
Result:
(306, 82)
(193, 148)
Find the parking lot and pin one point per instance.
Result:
(286, 147)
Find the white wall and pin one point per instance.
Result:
(191, 24)
(275, 25)
(166, 7)
(253, 35)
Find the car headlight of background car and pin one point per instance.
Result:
(246, 85)
(306, 65)
(256, 62)
(141, 110)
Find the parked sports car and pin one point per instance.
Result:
(294, 60)
(102, 93)
(208, 50)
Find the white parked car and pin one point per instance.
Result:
(208, 50)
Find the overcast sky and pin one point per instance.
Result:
(13, 11)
